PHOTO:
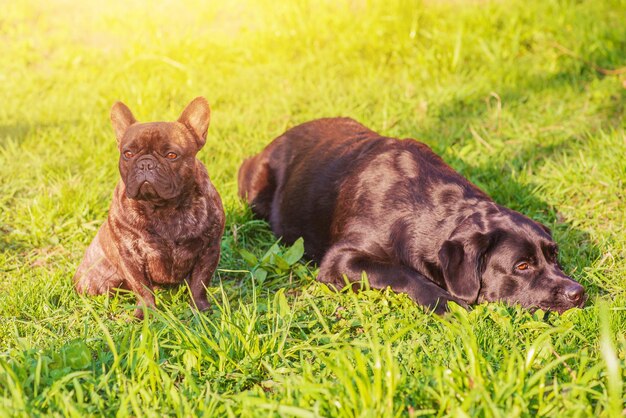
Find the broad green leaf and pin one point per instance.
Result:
(274, 249)
(76, 355)
(248, 257)
(281, 301)
(280, 263)
(260, 275)
(295, 252)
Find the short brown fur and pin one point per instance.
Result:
(166, 219)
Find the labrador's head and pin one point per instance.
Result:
(501, 255)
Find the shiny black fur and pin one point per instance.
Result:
(394, 210)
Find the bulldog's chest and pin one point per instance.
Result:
(170, 257)
(167, 242)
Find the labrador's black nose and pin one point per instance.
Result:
(575, 293)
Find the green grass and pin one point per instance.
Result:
(510, 93)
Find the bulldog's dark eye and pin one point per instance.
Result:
(128, 154)
(171, 156)
(522, 266)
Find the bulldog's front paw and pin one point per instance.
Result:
(201, 304)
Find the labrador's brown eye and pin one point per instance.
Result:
(128, 154)
(522, 266)
(171, 156)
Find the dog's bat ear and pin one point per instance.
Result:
(121, 119)
(462, 266)
(196, 118)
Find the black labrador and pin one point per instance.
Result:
(394, 210)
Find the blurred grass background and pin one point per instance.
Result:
(525, 98)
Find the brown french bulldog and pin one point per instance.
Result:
(166, 219)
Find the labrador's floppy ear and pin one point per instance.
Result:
(462, 265)
(196, 118)
(545, 228)
(121, 119)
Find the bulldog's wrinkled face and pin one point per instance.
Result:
(157, 159)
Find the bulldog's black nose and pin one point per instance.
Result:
(146, 163)
(575, 293)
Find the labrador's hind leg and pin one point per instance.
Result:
(257, 185)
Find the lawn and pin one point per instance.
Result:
(525, 98)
